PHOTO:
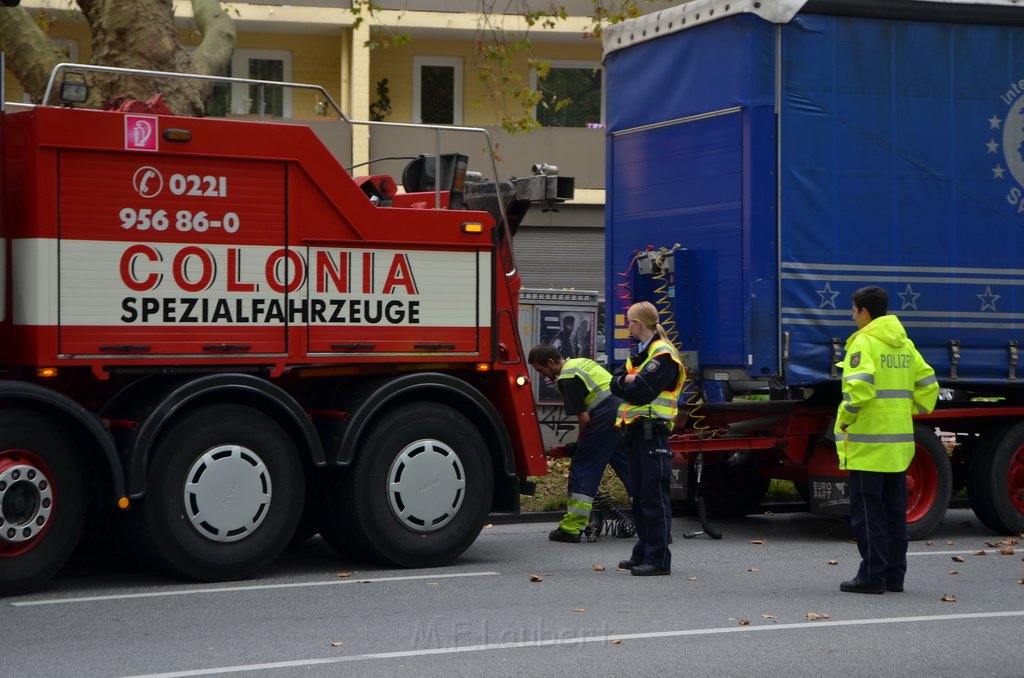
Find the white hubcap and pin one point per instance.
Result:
(426, 485)
(227, 493)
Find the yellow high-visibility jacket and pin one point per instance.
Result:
(885, 382)
(666, 405)
(595, 378)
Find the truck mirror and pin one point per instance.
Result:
(418, 176)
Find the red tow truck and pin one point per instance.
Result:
(215, 340)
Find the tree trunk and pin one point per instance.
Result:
(139, 34)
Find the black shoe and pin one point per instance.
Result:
(894, 587)
(558, 534)
(627, 564)
(649, 571)
(861, 586)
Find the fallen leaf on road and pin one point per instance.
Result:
(336, 643)
(616, 642)
(536, 578)
(580, 609)
(342, 575)
(929, 543)
(1006, 551)
(1021, 580)
(753, 569)
(958, 559)
(833, 562)
(814, 616)
(769, 617)
(744, 622)
(991, 544)
(433, 583)
(948, 598)
(757, 541)
(981, 552)
(953, 572)
(949, 543)
(691, 578)
(488, 525)
(596, 567)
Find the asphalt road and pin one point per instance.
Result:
(732, 607)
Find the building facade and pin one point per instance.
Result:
(432, 77)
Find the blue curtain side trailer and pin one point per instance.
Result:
(767, 159)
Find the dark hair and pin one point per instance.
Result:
(569, 320)
(542, 353)
(872, 298)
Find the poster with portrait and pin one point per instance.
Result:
(571, 331)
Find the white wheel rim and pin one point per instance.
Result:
(227, 493)
(426, 485)
(26, 498)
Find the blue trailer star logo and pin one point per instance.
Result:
(988, 300)
(1006, 142)
(909, 298)
(830, 293)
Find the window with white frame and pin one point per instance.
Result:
(242, 99)
(437, 90)
(572, 94)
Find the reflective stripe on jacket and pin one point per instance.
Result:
(594, 377)
(666, 405)
(885, 382)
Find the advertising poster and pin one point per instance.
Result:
(571, 331)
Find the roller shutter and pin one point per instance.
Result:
(560, 257)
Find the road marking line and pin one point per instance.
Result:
(572, 641)
(255, 587)
(990, 551)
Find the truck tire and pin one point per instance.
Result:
(380, 509)
(995, 480)
(732, 491)
(225, 494)
(42, 500)
(929, 483)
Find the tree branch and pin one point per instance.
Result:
(28, 51)
(219, 37)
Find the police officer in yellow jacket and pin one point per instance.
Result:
(885, 382)
(584, 388)
(650, 387)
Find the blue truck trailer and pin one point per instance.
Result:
(764, 160)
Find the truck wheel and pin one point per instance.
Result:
(225, 494)
(42, 502)
(995, 480)
(732, 491)
(929, 483)
(420, 491)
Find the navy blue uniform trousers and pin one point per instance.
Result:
(650, 469)
(878, 517)
(600, 446)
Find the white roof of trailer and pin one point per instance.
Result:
(697, 12)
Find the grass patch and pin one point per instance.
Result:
(552, 489)
(782, 490)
